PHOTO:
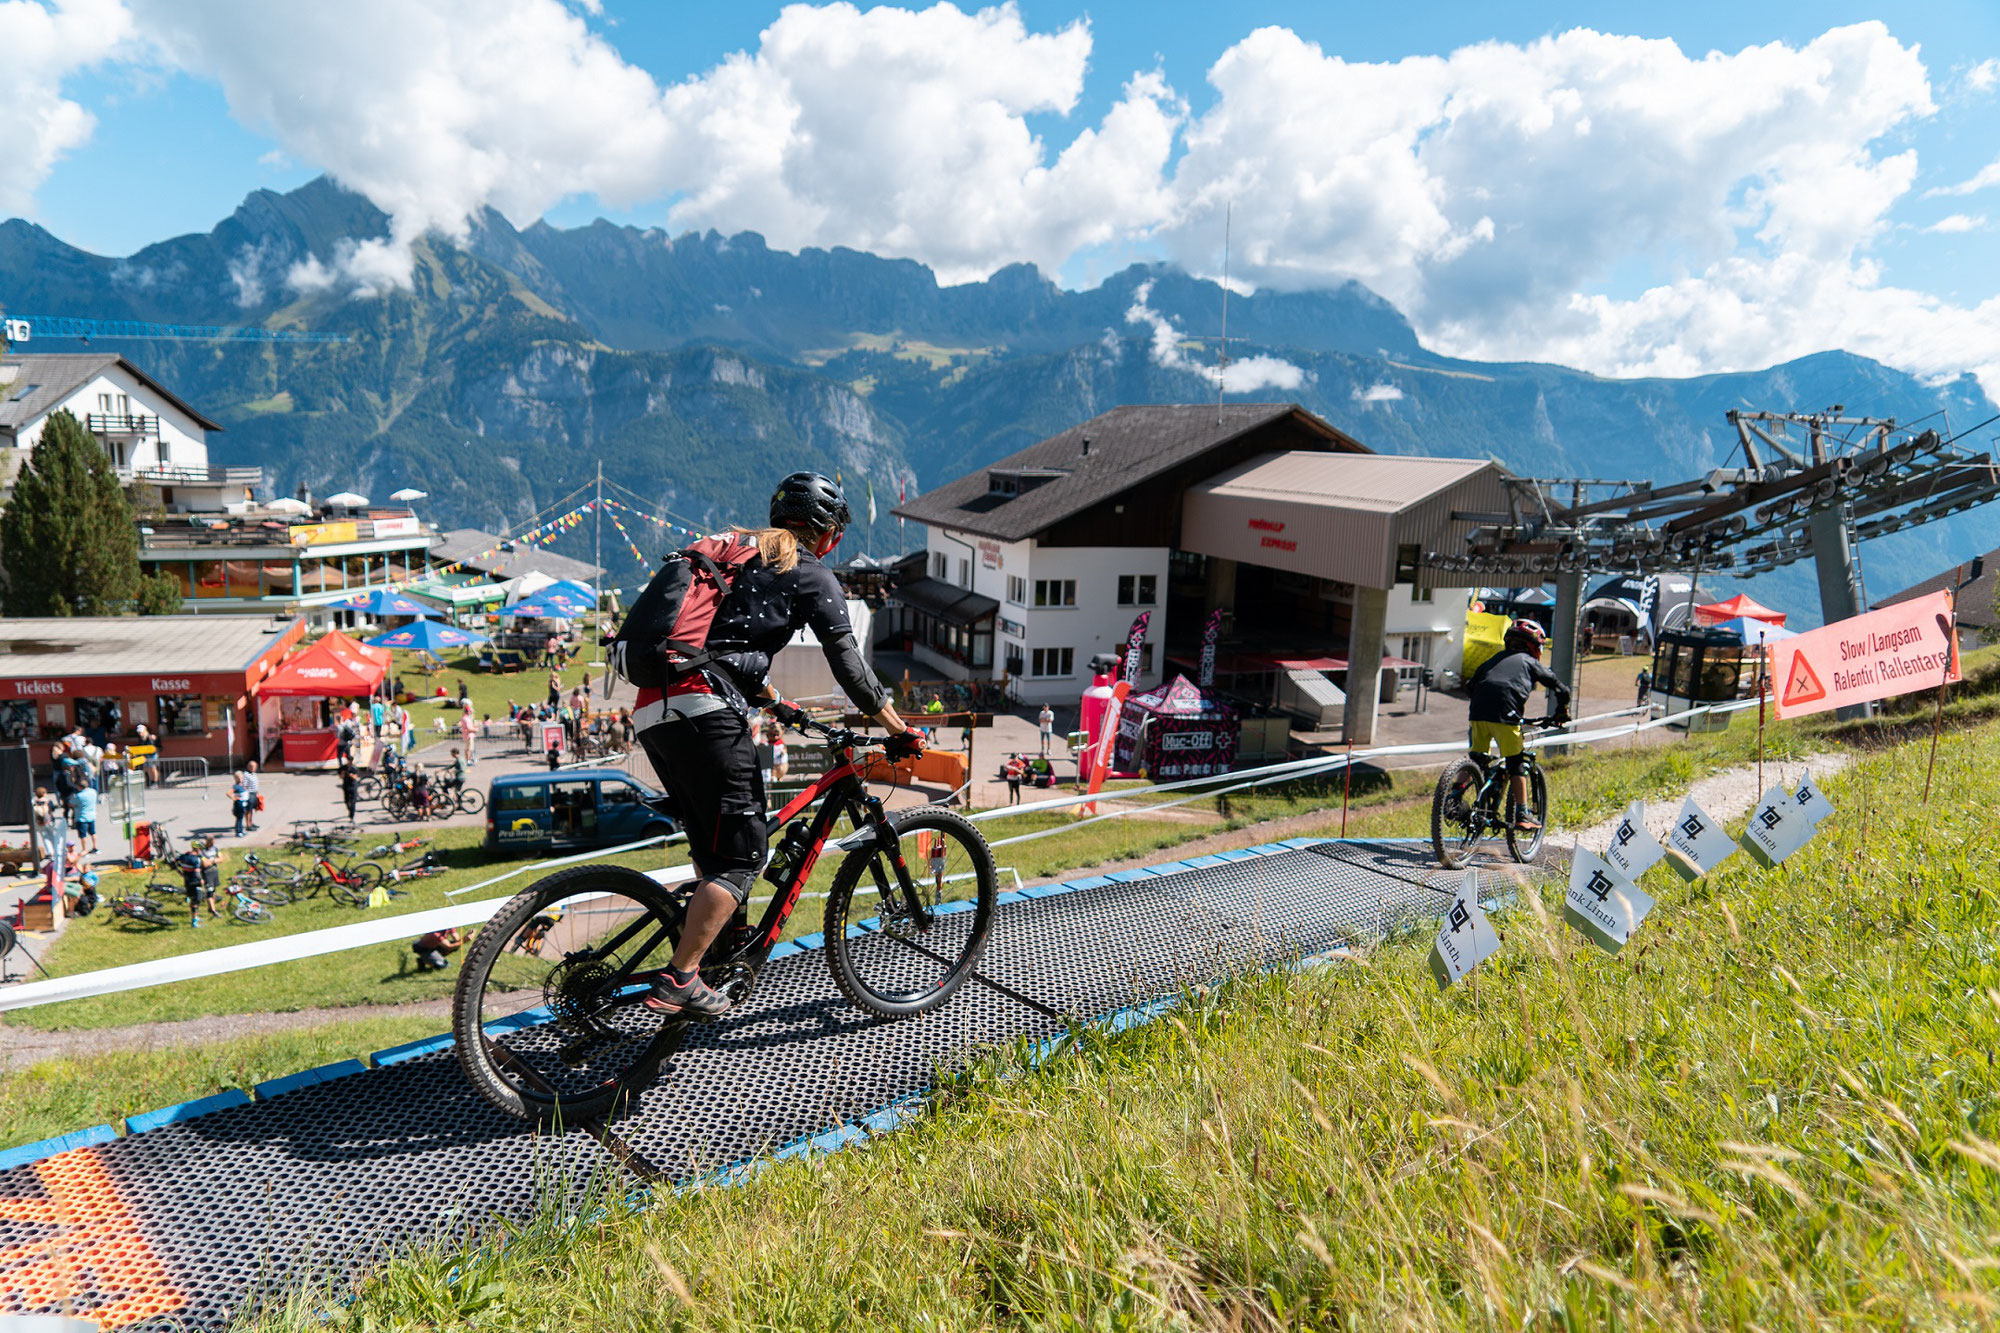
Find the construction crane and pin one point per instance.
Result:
(22, 328)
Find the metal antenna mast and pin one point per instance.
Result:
(1222, 343)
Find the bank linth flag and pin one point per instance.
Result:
(1910, 646)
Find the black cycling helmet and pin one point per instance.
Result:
(1527, 636)
(809, 500)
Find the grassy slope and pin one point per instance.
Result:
(1774, 1111)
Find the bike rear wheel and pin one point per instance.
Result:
(250, 913)
(361, 878)
(470, 802)
(881, 959)
(1456, 820)
(559, 1035)
(1525, 844)
(268, 894)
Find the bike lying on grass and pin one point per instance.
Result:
(1471, 804)
(548, 1014)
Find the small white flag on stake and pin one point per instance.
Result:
(1697, 843)
(1776, 828)
(1602, 903)
(1466, 938)
(1633, 851)
(1809, 801)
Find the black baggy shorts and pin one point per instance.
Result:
(709, 763)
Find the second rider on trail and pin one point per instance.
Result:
(1500, 688)
(698, 644)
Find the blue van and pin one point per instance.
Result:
(574, 809)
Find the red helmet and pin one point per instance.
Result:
(1527, 636)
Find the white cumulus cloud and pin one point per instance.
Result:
(1243, 375)
(1377, 393)
(1984, 77)
(1985, 178)
(41, 47)
(1957, 222)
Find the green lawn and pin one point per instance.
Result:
(489, 691)
(1778, 1109)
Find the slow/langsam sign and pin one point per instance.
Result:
(1909, 646)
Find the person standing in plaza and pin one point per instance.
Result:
(86, 820)
(52, 829)
(467, 733)
(376, 715)
(555, 687)
(1046, 721)
(256, 792)
(350, 789)
(239, 790)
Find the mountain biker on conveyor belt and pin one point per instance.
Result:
(1501, 686)
(698, 643)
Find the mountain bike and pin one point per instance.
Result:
(273, 877)
(348, 882)
(548, 1015)
(134, 907)
(1471, 804)
(246, 906)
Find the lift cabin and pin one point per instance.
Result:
(1692, 667)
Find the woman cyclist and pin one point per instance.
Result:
(699, 731)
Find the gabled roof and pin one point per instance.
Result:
(1976, 601)
(1126, 446)
(57, 375)
(476, 549)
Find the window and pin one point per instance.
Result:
(1015, 666)
(22, 392)
(1013, 628)
(104, 404)
(1054, 662)
(1421, 594)
(1017, 590)
(520, 798)
(938, 565)
(101, 719)
(1055, 592)
(965, 573)
(1137, 589)
(17, 719)
(180, 714)
(616, 795)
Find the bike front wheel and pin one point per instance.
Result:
(268, 894)
(1456, 820)
(558, 1034)
(1526, 844)
(250, 913)
(882, 959)
(470, 802)
(361, 878)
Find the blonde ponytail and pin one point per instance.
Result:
(778, 546)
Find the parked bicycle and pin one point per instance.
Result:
(136, 907)
(277, 875)
(249, 906)
(1470, 804)
(548, 1011)
(349, 881)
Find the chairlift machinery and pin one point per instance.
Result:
(1849, 478)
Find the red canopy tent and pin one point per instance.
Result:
(1739, 605)
(334, 668)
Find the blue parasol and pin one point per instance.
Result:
(428, 635)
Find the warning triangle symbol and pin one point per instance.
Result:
(1802, 686)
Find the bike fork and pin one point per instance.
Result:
(885, 835)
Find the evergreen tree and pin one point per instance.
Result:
(68, 544)
(160, 595)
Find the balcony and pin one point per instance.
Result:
(140, 427)
(207, 474)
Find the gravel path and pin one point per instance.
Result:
(20, 1047)
(1724, 795)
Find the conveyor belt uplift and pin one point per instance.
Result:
(186, 1224)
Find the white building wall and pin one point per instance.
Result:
(1440, 622)
(1096, 624)
(183, 441)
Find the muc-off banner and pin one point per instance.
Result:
(1209, 633)
(1135, 638)
(1176, 731)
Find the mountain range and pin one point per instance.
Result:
(699, 367)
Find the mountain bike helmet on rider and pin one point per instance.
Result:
(1501, 687)
(697, 729)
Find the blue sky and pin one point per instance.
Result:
(1500, 240)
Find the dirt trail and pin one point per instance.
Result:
(1726, 795)
(20, 1046)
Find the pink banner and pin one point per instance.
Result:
(1909, 646)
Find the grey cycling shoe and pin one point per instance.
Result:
(696, 999)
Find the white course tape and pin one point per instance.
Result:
(313, 943)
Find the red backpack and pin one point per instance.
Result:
(666, 635)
